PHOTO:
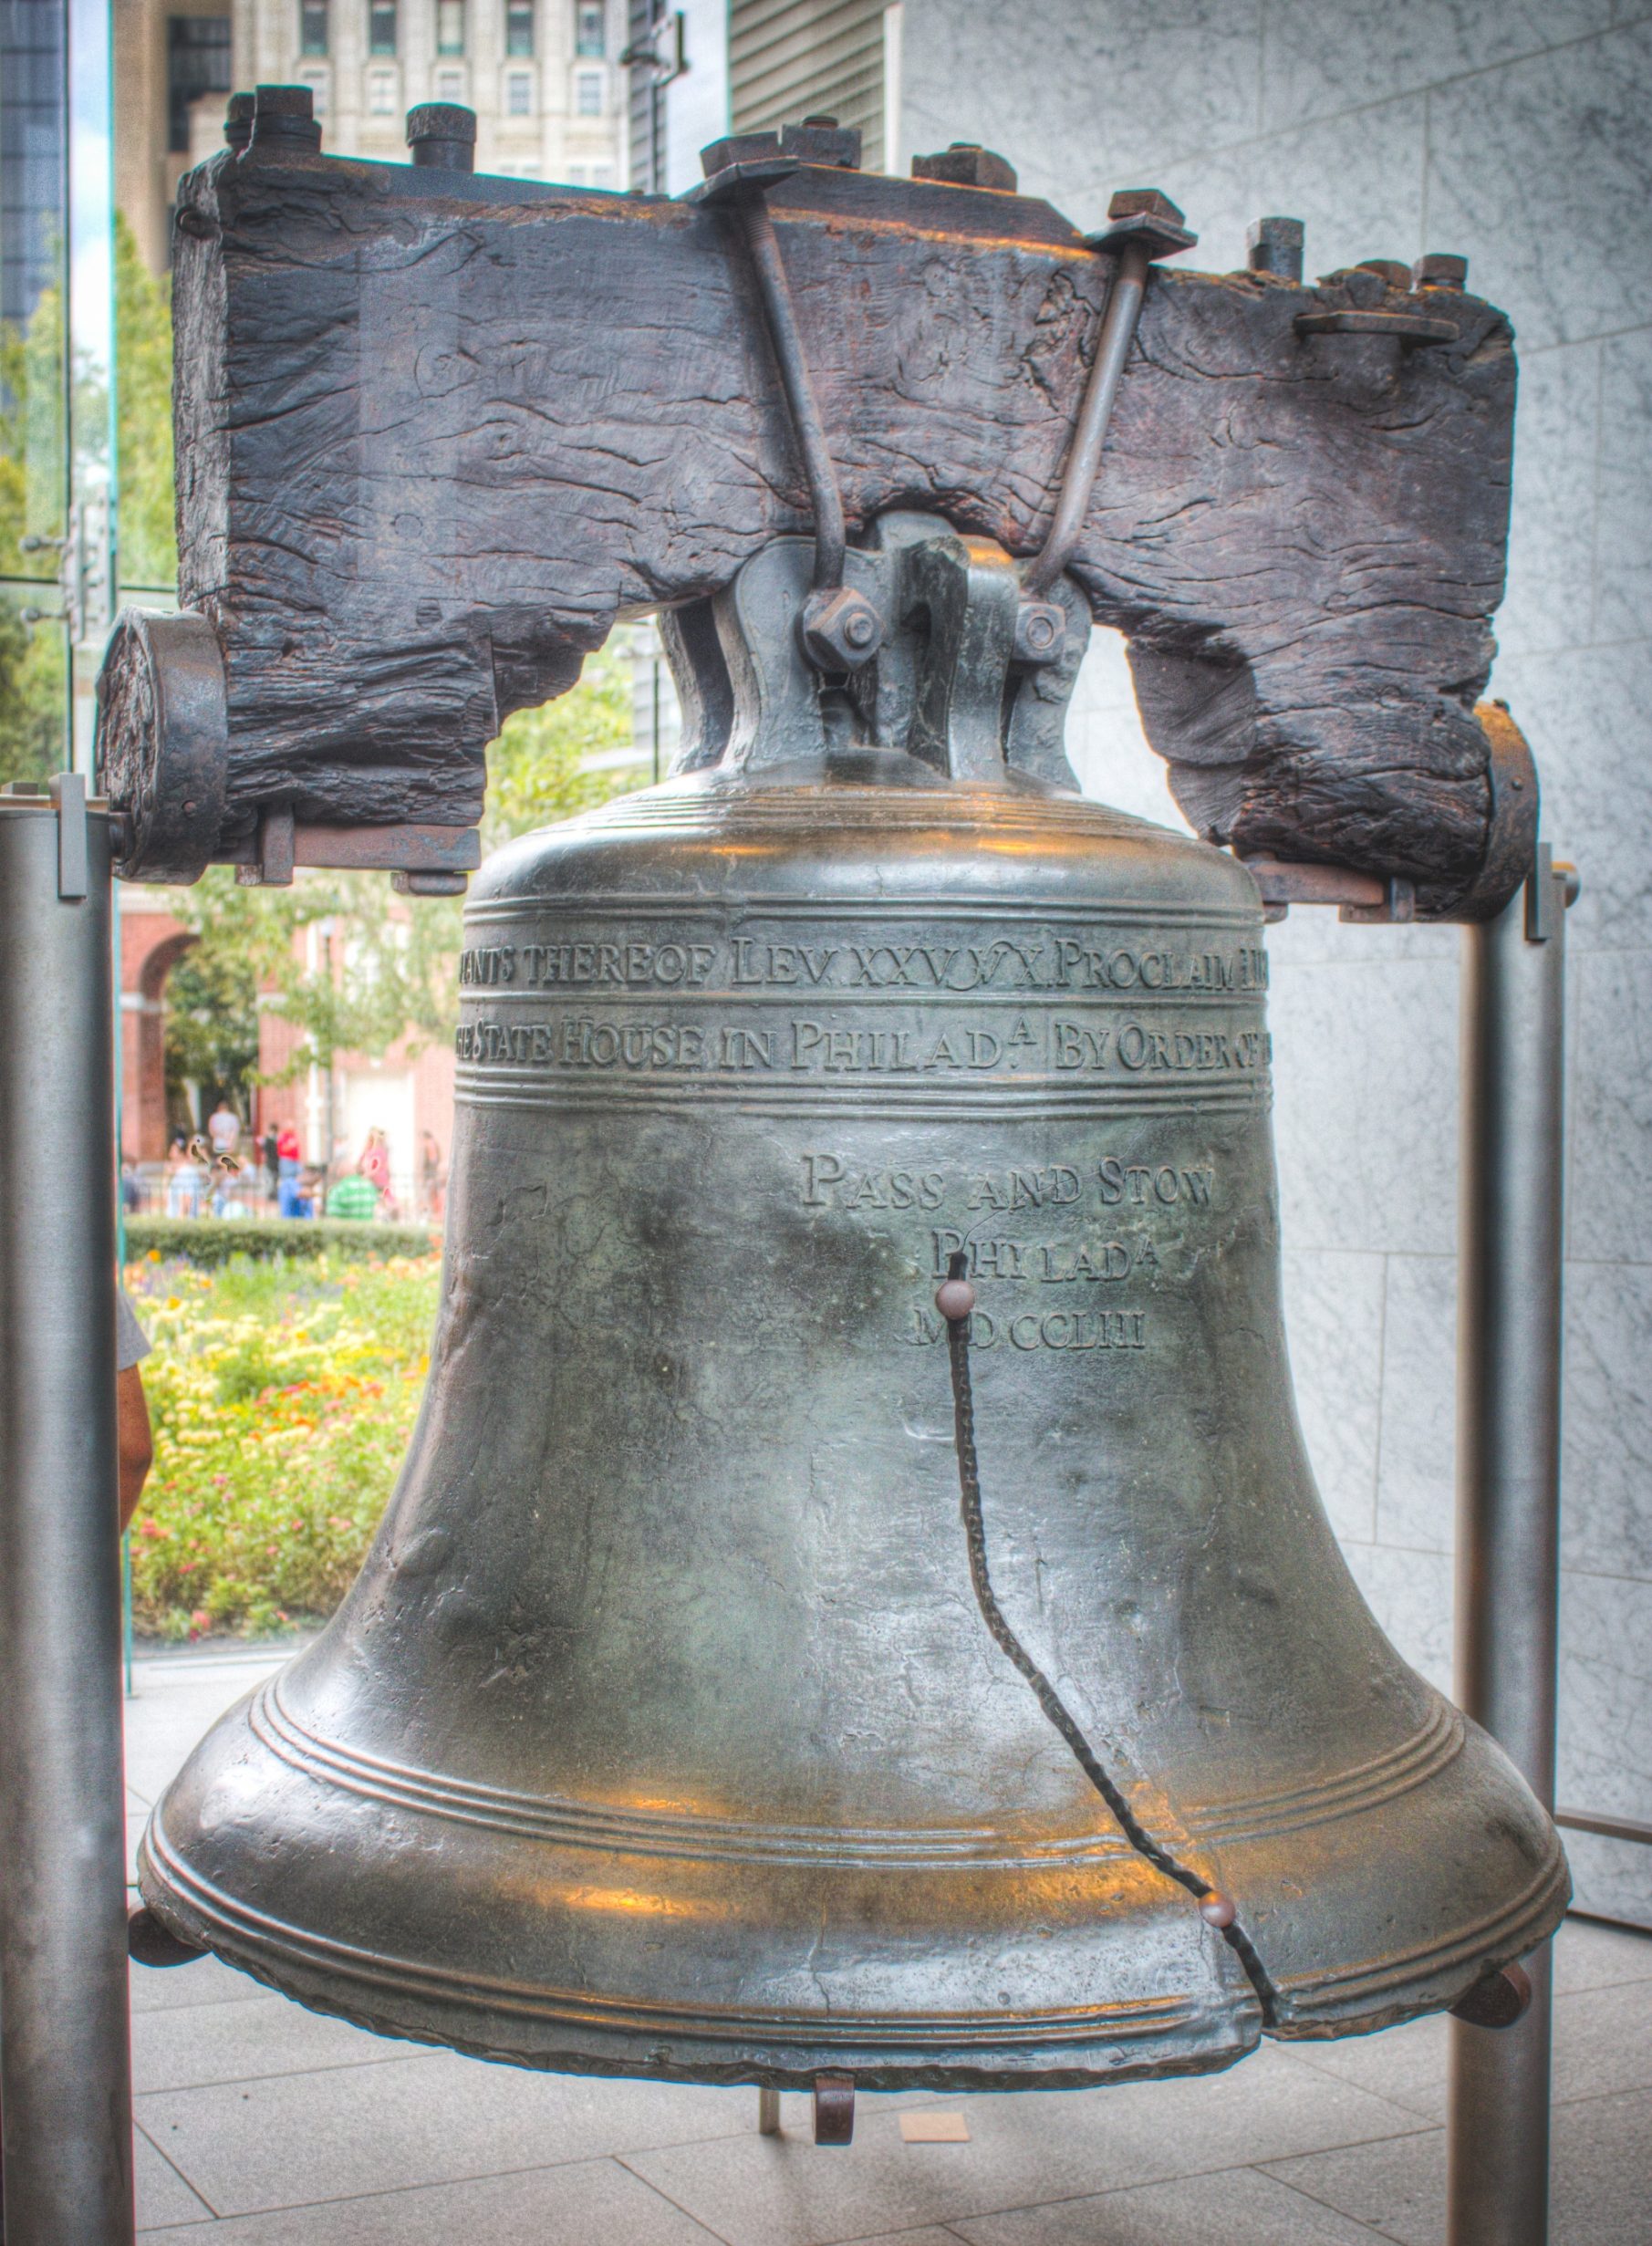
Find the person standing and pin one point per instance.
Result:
(223, 1128)
(271, 1154)
(290, 1200)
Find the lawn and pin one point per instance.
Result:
(282, 1395)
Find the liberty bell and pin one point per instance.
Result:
(856, 1601)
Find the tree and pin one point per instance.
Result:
(376, 975)
(34, 679)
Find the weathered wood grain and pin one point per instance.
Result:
(435, 435)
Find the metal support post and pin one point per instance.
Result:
(1508, 1481)
(65, 2071)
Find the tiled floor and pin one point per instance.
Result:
(263, 2125)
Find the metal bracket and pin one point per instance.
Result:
(67, 790)
(1365, 898)
(833, 2109)
(1408, 328)
(424, 861)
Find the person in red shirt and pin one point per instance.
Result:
(289, 1201)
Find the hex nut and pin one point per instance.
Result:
(841, 630)
(1439, 270)
(739, 148)
(822, 140)
(1275, 245)
(1146, 202)
(967, 165)
(1388, 269)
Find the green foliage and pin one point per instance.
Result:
(143, 416)
(294, 1240)
(33, 483)
(536, 771)
(212, 1021)
(282, 1395)
(374, 978)
(33, 684)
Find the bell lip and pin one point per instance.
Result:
(1112, 2044)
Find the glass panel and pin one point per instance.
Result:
(381, 27)
(519, 27)
(450, 26)
(381, 93)
(588, 28)
(519, 95)
(312, 28)
(34, 465)
(587, 94)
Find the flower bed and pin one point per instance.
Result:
(282, 1396)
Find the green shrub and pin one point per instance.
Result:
(282, 1395)
(207, 1240)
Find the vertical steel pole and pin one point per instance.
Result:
(65, 2072)
(1508, 1485)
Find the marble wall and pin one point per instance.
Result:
(1515, 135)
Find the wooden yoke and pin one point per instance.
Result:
(436, 433)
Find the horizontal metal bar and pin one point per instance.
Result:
(1609, 1828)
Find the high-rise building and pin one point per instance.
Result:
(543, 77)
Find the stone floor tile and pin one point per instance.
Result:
(157, 1989)
(1399, 2184)
(426, 2118)
(1602, 2166)
(164, 2200)
(1603, 2043)
(931, 2235)
(1406, 2065)
(1588, 1955)
(1026, 2149)
(261, 2034)
(586, 2203)
(1239, 2207)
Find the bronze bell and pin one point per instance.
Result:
(762, 1671)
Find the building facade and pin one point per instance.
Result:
(543, 75)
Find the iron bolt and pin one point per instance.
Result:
(284, 115)
(238, 121)
(442, 134)
(1497, 2000)
(737, 148)
(1439, 270)
(1275, 245)
(967, 165)
(1388, 269)
(841, 629)
(822, 140)
(1039, 629)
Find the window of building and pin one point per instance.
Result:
(382, 27)
(602, 175)
(312, 27)
(316, 82)
(587, 27)
(519, 27)
(588, 93)
(197, 62)
(450, 26)
(518, 94)
(576, 175)
(381, 93)
(450, 85)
